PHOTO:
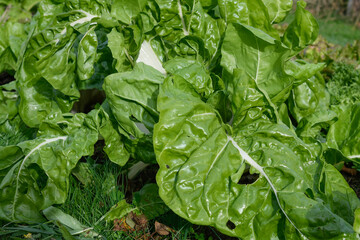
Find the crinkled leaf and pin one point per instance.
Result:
(278, 9)
(106, 126)
(301, 70)
(253, 13)
(261, 58)
(202, 161)
(194, 72)
(12, 129)
(345, 133)
(187, 30)
(303, 30)
(309, 105)
(61, 49)
(125, 11)
(39, 178)
(118, 50)
(8, 98)
(132, 98)
(14, 20)
(87, 55)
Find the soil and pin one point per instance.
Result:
(5, 78)
(354, 182)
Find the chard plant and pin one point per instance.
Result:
(207, 89)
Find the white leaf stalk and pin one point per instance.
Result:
(149, 57)
(88, 17)
(186, 33)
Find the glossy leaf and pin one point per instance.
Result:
(202, 161)
(114, 144)
(125, 11)
(14, 21)
(259, 56)
(194, 72)
(253, 13)
(278, 9)
(118, 50)
(87, 55)
(61, 49)
(303, 30)
(185, 29)
(39, 178)
(132, 98)
(309, 104)
(344, 134)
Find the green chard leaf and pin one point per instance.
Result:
(125, 11)
(278, 9)
(14, 22)
(344, 134)
(106, 126)
(38, 170)
(261, 58)
(202, 161)
(132, 98)
(12, 129)
(249, 12)
(185, 29)
(248, 140)
(309, 104)
(303, 30)
(64, 52)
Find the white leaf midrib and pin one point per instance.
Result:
(254, 164)
(88, 18)
(186, 33)
(47, 141)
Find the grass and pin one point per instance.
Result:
(108, 187)
(338, 31)
(99, 185)
(88, 203)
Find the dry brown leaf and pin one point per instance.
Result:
(162, 229)
(141, 221)
(121, 225)
(131, 222)
(350, 171)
